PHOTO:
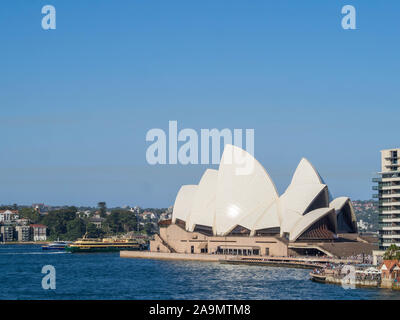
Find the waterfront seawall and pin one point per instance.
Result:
(357, 283)
(367, 281)
(274, 263)
(25, 242)
(305, 263)
(172, 256)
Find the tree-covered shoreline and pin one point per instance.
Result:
(68, 224)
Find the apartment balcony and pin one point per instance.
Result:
(395, 203)
(390, 195)
(391, 158)
(394, 187)
(377, 179)
(390, 236)
(392, 165)
(389, 203)
(375, 188)
(388, 244)
(392, 178)
(389, 212)
(391, 228)
(389, 220)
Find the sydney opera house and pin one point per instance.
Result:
(241, 213)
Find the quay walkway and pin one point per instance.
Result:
(293, 262)
(171, 256)
(359, 278)
(296, 262)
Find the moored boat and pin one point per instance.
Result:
(318, 277)
(56, 245)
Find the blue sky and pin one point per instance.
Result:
(76, 102)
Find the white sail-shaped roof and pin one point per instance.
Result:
(266, 218)
(241, 193)
(241, 196)
(203, 209)
(305, 187)
(306, 174)
(295, 201)
(183, 202)
(308, 220)
(270, 218)
(339, 203)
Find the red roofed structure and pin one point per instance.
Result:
(390, 270)
(39, 232)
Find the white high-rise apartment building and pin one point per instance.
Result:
(389, 198)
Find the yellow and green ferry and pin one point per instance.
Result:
(103, 245)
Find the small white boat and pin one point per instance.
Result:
(56, 245)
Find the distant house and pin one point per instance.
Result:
(98, 213)
(97, 221)
(85, 213)
(23, 233)
(8, 216)
(39, 232)
(165, 215)
(41, 208)
(23, 222)
(148, 215)
(390, 271)
(7, 233)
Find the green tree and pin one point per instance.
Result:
(120, 220)
(148, 227)
(31, 214)
(113, 222)
(392, 253)
(94, 232)
(102, 208)
(57, 220)
(76, 228)
(128, 221)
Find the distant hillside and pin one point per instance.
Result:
(367, 215)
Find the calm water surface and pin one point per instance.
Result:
(107, 276)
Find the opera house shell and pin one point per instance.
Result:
(228, 202)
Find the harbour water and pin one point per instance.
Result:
(107, 276)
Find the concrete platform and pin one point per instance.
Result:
(275, 263)
(303, 262)
(173, 256)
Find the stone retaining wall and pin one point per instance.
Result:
(173, 256)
